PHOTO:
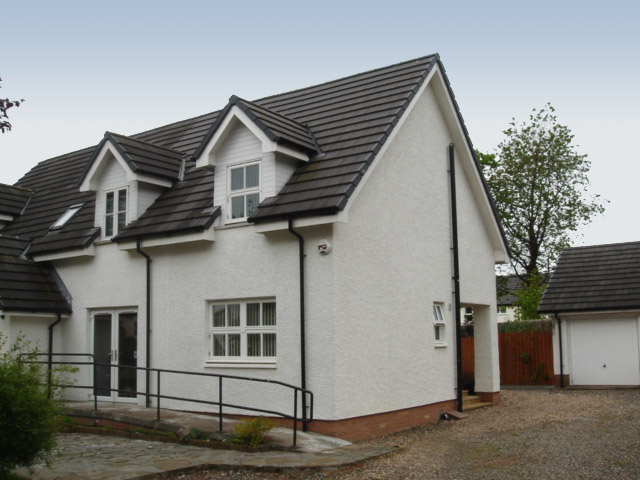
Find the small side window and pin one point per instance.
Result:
(438, 325)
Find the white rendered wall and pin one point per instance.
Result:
(34, 328)
(240, 264)
(392, 262)
(477, 282)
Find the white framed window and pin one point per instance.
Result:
(438, 325)
(66, 216)
(244, 190)
(502, 310)
(115, 214)
(243, 331)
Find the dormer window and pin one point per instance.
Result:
(115, 217)
(66, 216)
(244, 190)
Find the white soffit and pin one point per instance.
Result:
(234, 115)
(90, 251)
(207, 236)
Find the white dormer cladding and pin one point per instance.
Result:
(242, 147)
(109, 172)
(232, 118)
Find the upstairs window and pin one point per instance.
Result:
(244, 191)
(115, 217)
(66, 216)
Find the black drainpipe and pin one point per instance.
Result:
(303, 362)
(147, 380)
(560, 343)
(51, 352)
(456, 274)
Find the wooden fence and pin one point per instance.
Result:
(526, 358)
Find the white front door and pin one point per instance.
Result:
(604, 352)
(115, 345)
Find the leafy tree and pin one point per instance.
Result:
(539, 183)
(6, 104)
(529, 296)
(27, 413)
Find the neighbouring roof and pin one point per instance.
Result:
(505, 287)
(26, 286)
(13, 200)
(595, 278)
(342, 124)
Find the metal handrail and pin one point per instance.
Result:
(159, 396)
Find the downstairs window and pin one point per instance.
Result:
(242, 331)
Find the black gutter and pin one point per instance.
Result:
(456, 274)
(50, 364)
(148, 356)
(560, 343)
(303, 362)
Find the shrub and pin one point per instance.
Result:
(252, 432)
(192, 433)
(27, 413)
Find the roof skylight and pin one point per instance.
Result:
(66, 216)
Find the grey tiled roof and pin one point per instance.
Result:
(505, 286)
(187, 206)
(350, 118)
(275, 126)
(595, 278)
(342, 124)
(55, 187)
(26, 286)
(143, 157)
(13, 199)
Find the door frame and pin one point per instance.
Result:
(114, 313)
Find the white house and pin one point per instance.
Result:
(180, 248)
(594, 299)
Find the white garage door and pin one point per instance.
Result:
(604, 352)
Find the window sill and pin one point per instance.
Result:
(440, 344)
(234, 223)
(244, 363)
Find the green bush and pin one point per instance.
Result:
(27, 415)
(252, 432)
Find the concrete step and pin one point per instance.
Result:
(472, 406)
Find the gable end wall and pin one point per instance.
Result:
(392, 262)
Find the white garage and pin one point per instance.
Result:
(594, 298)
(604, 351)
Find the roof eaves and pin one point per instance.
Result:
(128, 236)
(567, 309)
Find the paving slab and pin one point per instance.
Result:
(104, 458)
(174, 420)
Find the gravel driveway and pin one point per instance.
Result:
(542, 434)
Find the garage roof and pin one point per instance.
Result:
(595, 278)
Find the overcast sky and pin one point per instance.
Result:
(87, 67)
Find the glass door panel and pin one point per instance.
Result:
(102, 351)
(127, 354)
